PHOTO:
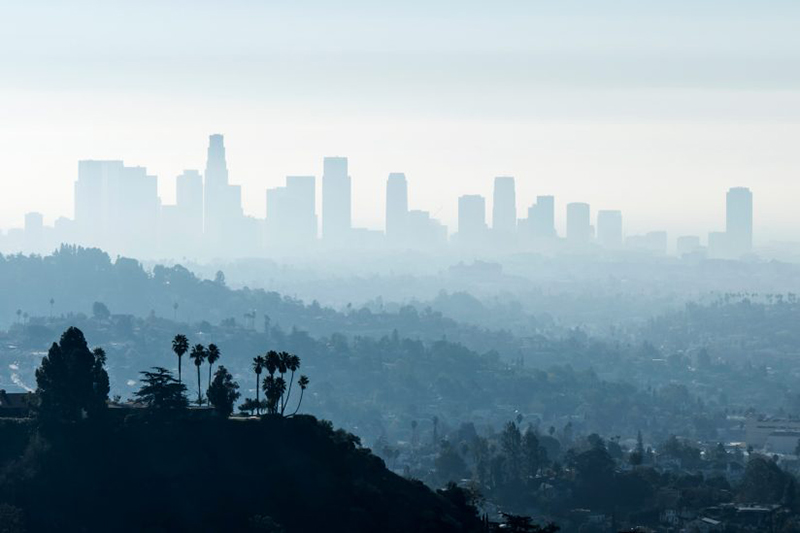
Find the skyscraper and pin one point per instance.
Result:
(291, 212)
(504, 205)
(541, 218)
(336, 208)
(396, 208)
(223, 202)
(471, 218)
(34, 232)
(189, 202)
(609, 228)
(579, 229)
(739, 220)
(116, 207)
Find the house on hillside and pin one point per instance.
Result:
(15, 404)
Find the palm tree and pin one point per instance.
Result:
(283, 367)
(292, 364)
(180, 345)
(198, 355)
(52, 302)
(271, 364)
(258, 366)
(303, 383)
(274, 388)
(212, 354)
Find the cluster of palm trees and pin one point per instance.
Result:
(198, 354)
(274, 385)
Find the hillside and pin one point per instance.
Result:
(202, 473)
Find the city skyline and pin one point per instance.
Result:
(648, 108)
(119, 208)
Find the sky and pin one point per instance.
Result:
(651, 107)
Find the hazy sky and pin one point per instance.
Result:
(652, 107)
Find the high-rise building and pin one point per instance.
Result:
(739, 220)
(579, 228)
(223, 202)
(609, 228)
(189, 201)
(471, 218)
(396, 208)
(116, 207)
(504, 205)
(336, 198)
(34, 232)
(291, 212)
(541, 218)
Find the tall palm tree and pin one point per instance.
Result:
(274, 388)
(283, 367)
(271, 364)
(292, 364)
(198, 355)
(212, 354)
(303, 383)
(258, 367)
(180, 345)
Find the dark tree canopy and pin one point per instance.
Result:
(223, 392)
(72, 383)
(161, 391)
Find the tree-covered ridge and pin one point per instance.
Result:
(123, 286)
(81, 450)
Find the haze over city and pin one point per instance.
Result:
(652, 109)
(400, 267)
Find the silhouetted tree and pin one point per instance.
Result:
(72, 382)
(101, 382)
(223, 392)
(292, 364)
(252, 405)
(180, 345)
(303, 383)
(161, 391)
(100, 311)
(212, 354)
(198, 355)
(274, 388)
(524, 524)
(258, 366)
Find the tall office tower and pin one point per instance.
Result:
(504, 205)
(336, 207)
(301, 193)
(471, 218)
(396, 208)
(609, 228)
(541, 218)
(579, 229)
(291, 213)
(223, 202)
(34, 232)
(116, 207)
(189, 203)
(739, 220)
